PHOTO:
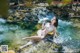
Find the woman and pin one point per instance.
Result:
(47, 29)
(51, 28)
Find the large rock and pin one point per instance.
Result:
(11, 51)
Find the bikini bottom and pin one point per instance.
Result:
(48, 38)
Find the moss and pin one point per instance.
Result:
(49, 1)
(36, 28)
(28, 3)
(7, 42)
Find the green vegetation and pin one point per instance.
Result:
(65, 2)
(36, 28)
(4, 8)
(49, 1)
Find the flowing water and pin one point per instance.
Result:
(11, 34)
(69, 35)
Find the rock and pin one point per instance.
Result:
(0, 49)
(67, 50)
(11, 51)
(10, 19)
(43, 4)
(42, 47)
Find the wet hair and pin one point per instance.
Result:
(56, 23)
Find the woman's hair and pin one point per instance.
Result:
(48, 21)
(56, 23)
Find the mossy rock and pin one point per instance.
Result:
(43, 47)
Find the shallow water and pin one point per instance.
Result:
(10, 33)
(69, 35)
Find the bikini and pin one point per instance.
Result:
(49, 36)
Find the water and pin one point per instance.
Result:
(11, 33)
(69, 35)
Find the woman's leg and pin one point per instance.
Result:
(36, 38)
(27, 37)
(29, 43)
(33, 39)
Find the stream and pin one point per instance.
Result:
(69, 35)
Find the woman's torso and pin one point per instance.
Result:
(48, 27)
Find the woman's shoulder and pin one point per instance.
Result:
(47, 23)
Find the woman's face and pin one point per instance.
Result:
(54, 20)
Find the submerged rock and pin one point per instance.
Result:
(2, 20)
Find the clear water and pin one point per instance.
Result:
(11, 33)
(68, 34)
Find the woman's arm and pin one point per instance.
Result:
(43, 25)
(55, 32)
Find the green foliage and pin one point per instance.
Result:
(4, 8)
(66, 1)
(49, 1)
